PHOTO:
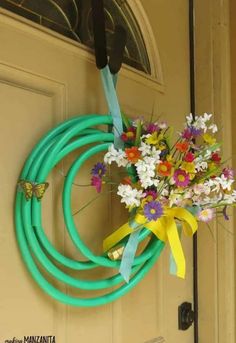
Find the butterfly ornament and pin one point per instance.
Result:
(31, 189)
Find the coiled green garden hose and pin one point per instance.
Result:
(35, 247)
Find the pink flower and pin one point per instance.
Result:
(150, 195)
(187, 133)
(181, 178)
(96, 181)
(151, 128)
(206, 215)
(228, 173)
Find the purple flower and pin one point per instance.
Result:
(195, 132)
(99, 169)
(97, 182)
(181, 178)
(153, 210)
(151, 128)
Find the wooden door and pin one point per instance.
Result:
(44, 80)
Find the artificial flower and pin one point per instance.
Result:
(154, 138)
(144, 148)
(187, 134)
(153, 210)
(150, 195)
(130, 196)
(206, 215)
(213, 128)
(152, 127)
(216, 157)
(99, 169)
(188, 167)
(129, 135)
(182, 146)
(163, 125)
(189, 157)
(209, 139)
(117, 156)
(132, 154)
(181, 178)
(228, 173)
(164, 168)
(96, 181)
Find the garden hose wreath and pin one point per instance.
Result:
(33, 243)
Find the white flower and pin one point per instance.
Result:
(165, 192)
(145, 149)
(213, 128)
(117, 156)
(138, 121)
(189, 119)
(206, 117)
(229, 198)
(175, 198)
(146, 181)
(155, 154)
(146, 166)
(200, 165)
(207, 154)
(130, 196)
(155, 182)
(162, 125)
(146, 171)
(224, 182)
(200, 124)
(213, 184)
(201, 189)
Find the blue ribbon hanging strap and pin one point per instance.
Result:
(109, 84)
(129, 252)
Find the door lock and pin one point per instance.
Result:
(186, 316)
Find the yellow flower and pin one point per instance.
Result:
(154, 139)
(209, 139)
(190, 168)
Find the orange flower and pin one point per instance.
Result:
(182, 146)
(132, 154)
(164, 168)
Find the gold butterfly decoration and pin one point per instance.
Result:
(31, 189)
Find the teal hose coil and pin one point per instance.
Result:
(36, 249)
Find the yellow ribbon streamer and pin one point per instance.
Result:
(163, 228)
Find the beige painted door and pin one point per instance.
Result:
(44, 80)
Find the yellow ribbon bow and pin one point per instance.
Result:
(165, 229)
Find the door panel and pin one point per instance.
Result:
(45, 80)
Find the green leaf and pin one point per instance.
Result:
(138, 133)
(125, 120)
(169, 135)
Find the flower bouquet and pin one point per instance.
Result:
(168, 183)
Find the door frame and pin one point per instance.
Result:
(213, 95)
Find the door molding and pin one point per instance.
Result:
(213, 95)
(154, 81)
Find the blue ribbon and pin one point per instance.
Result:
(173, 266)
(109, 83)
(129, 252)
